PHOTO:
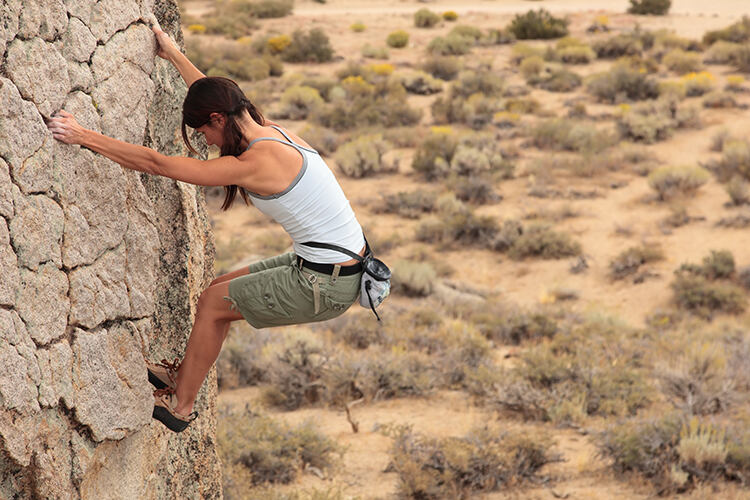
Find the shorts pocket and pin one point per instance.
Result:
(273, 302)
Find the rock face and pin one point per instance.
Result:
(100, 267)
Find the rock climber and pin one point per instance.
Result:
(284, 178)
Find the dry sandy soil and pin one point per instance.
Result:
(605, 225)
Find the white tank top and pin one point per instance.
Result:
(312, 208)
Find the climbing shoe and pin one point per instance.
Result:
(163, 374)
(164, 411)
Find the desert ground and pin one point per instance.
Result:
(607, 212)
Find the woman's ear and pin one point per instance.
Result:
(218, 118)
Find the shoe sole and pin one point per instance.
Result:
(170, 421)
(156, 381)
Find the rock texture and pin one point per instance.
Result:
(100, 267)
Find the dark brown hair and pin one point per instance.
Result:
(215, 94)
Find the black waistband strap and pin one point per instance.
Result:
(346, 251)
(328, 268)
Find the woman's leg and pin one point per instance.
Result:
(229, 276)
(212, 319)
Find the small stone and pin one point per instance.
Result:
(36, 230)
(78, 42)
(43, 18)
(43, 303)
(111, 16)
(39, 72)
(22, 130)
(98, 292)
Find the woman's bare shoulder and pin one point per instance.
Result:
(299, 140)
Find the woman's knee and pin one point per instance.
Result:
(212, 304)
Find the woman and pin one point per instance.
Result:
(287, 180)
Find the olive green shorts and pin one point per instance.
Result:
(277, 292)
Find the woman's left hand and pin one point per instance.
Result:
(65, 128)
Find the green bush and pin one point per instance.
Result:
(682, 62)
(564, 134)
(741, 59)
(738, 32)
(629, 261)
(482, 461)
(543, 242)
(538, 25)
(358, 27)
(265, 451)
(671, 181)
(265, 9)
(722, 52)
(409, 204)
(626, 44)
(577, 54)
(623, 83)
(656, 120)
(451, 45)
(561, 80)
(414, 279)
(531, 67)
(420, 83)
(312, 46)
(234, 19)
(371, 52)
(735, 160)
(397, 39)
(650, 7)
(298, 102)
(704, 297)
(363, 156)
(435, 154)
(457, 224)
(475, 189)
(425, 18)
(718, 264)
(442, 67)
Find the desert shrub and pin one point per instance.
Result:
(470, 99)
(738, 32)
(743, 277)
(404, 137)
(241, 361)
(697, 84)
(580, 54)
(699, 381)
(719, 99)
(560, 80)
(629, 261)
(626, 44)
(197, 29)
(738, 190)
(451, 45)
(623, 83)
(409, 204)
(498, 37)
(414, 279)
(450, 15)
(682, 62)
(323, 140)
(443, 67)
(655, 121)
(312, 46)
(484, 460)
(538, 24)
(650, 7)
(371, 52)
(735, 83)
(521, 51)
(277, 44)
(363, 156)
(718, 264)
(420, 83)
(322, 84)
(704, 297)
(264, 9)
(228, 58)
(741, 59)
(670, 181)
(397, 39)
(358, 27)
(570, 135)
(522, 106)
(543, 242)
(435, 153)
(721, 52)
(298, 102)
(735, 160)
(570, 377)
(475, 189)
(234, 19)
(456, 223)
(665, 40)
(531, 67)
(425, 18)
(672, 89)
(263, 450)
(482, 81)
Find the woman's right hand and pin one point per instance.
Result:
(166, 46)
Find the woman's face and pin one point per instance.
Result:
(213, 131)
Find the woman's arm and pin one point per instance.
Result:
(169, 51)
(223, 171)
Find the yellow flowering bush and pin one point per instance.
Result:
(358, 27)
(450, 15)
(381, 69)
(277, 44)
(735, 82)
(198, 29)
(697, 84)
